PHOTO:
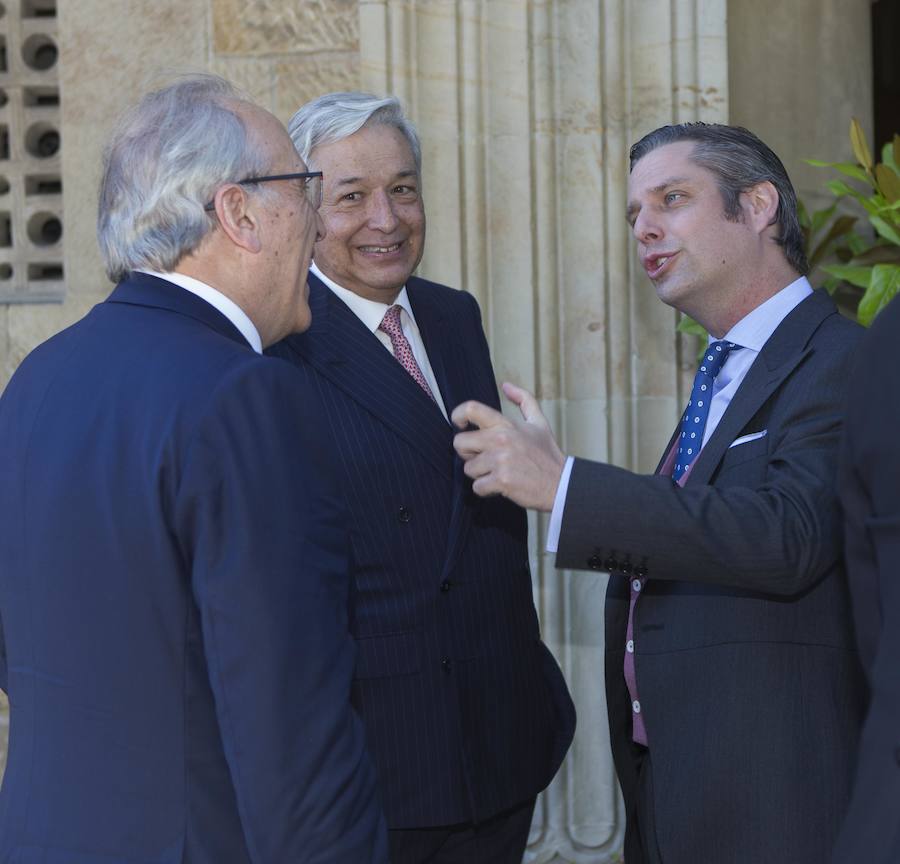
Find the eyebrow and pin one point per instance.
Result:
(400, 175)
(633, 207)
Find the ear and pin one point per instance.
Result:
(761, 203)
(237, 217)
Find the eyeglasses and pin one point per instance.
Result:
(312, 186)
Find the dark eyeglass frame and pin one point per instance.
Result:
(248, 181)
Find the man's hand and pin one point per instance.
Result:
(519, 460)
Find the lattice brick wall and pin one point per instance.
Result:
(31, 241)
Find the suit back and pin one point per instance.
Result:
(152, 614)
(466, 711)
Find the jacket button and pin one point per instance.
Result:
(403, 515)
(625, 567)
(611, 565)
(445, 665)
(640, 572)
(595, 562)
(445, 586)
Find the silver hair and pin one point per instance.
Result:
(335, 116)
(166, 157)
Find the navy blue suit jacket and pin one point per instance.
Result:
(870, 493)
(173, 595)
(465, 709)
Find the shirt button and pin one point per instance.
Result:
(629, 646)
(636, 584)
(636, 706)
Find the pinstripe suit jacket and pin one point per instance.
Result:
(466, 711)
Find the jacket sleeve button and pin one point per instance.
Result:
(445, 586)
(403, 515)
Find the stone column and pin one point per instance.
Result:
(526, 111)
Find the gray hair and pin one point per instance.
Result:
(166, 157)
(336, 116)
(739, 160)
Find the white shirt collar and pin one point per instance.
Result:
(755, 328)
(215, 298)
(370, 312)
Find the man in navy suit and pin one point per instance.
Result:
(466, 712)
(870, 494)
(174, 573)
(732, 679)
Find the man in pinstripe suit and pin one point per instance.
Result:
(467, 714)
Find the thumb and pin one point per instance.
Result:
(528, 405)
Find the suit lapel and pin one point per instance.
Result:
(340, 347)
(452, 375)
(785, 350)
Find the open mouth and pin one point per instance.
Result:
(656, 265)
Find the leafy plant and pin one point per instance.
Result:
(869, 264)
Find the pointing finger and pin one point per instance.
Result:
(528, 405)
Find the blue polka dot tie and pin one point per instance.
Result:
(694, 420)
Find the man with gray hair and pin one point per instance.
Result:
(466, 712)
(177, 655)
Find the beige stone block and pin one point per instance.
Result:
(254, 75)
(110, 52)
(279, 26)
(305, 76)
(30, 324)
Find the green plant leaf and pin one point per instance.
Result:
(895, 150)
(888, 183)
(851, 169)
(885, 285)
(860, 145)
(889, 232)
(859, 276)
(820, 217)
(879, 253)
(887, 154)
(803, 215)
(857, 244)
(841, 226)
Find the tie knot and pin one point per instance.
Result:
(390, 324)
(714, 357)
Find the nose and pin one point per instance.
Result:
(645, 227)
(381, 212)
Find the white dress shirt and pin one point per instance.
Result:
(751, 333)
(371, 313)
(215, 298)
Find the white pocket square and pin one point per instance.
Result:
(753, 436)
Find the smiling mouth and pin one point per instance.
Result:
(381, 250)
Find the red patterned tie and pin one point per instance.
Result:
(390, 324)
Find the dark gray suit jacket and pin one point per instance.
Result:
(747, 672)
(870, 493)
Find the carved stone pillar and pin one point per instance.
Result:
(526, 111)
